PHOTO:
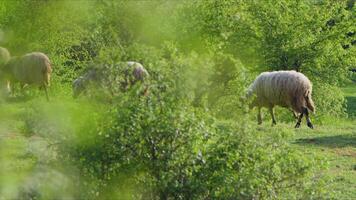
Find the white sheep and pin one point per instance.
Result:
(289, 89)
(32, 68)
(4, 56)
(133, 72)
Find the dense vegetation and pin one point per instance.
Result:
(192, 137)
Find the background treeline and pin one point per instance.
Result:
(191, 137)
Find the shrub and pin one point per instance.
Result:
(161, 147)
(329, 100)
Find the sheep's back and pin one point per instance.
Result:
(138, 71)
(33, 68)
(281, 87)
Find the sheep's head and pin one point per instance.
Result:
(248, 98)
(243, 99)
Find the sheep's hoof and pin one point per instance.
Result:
(310, 125)
(297, 125)
(274, 123)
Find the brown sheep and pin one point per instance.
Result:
(32, 68)
(288, 89)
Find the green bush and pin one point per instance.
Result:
(329, 100)
(160, 147)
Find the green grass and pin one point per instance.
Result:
(336, 142)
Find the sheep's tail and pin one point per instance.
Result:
(310, 102)
(47, 72)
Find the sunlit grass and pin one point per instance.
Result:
(335, 140)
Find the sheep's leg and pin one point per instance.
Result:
(299, 120)
(24, 90)
(8, 88)
(294, 114)
(272, 115)
(306, 112)
(259, 116)
(45, 89)
(13, 89)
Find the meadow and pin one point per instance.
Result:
(193, 136)
(28, 157)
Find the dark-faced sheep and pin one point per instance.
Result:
(32, 68)
(133, 72)
(82, 83)
(289, 89)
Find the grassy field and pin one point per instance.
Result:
(23, 158)
(336, 142)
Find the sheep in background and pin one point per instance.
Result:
(133, 73)
(289, 89)
(81, 84)
(32, 68)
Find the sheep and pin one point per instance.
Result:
(81, 84)
(133, 73)
(32, 68)
(4, 56)
(289, 89)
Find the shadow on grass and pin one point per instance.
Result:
(351, 106)
(336, 141)
(18, 99)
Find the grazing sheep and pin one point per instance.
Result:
(32, 68)
(133, 72)
(288, 89)
(4, 58)
(80, 85)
